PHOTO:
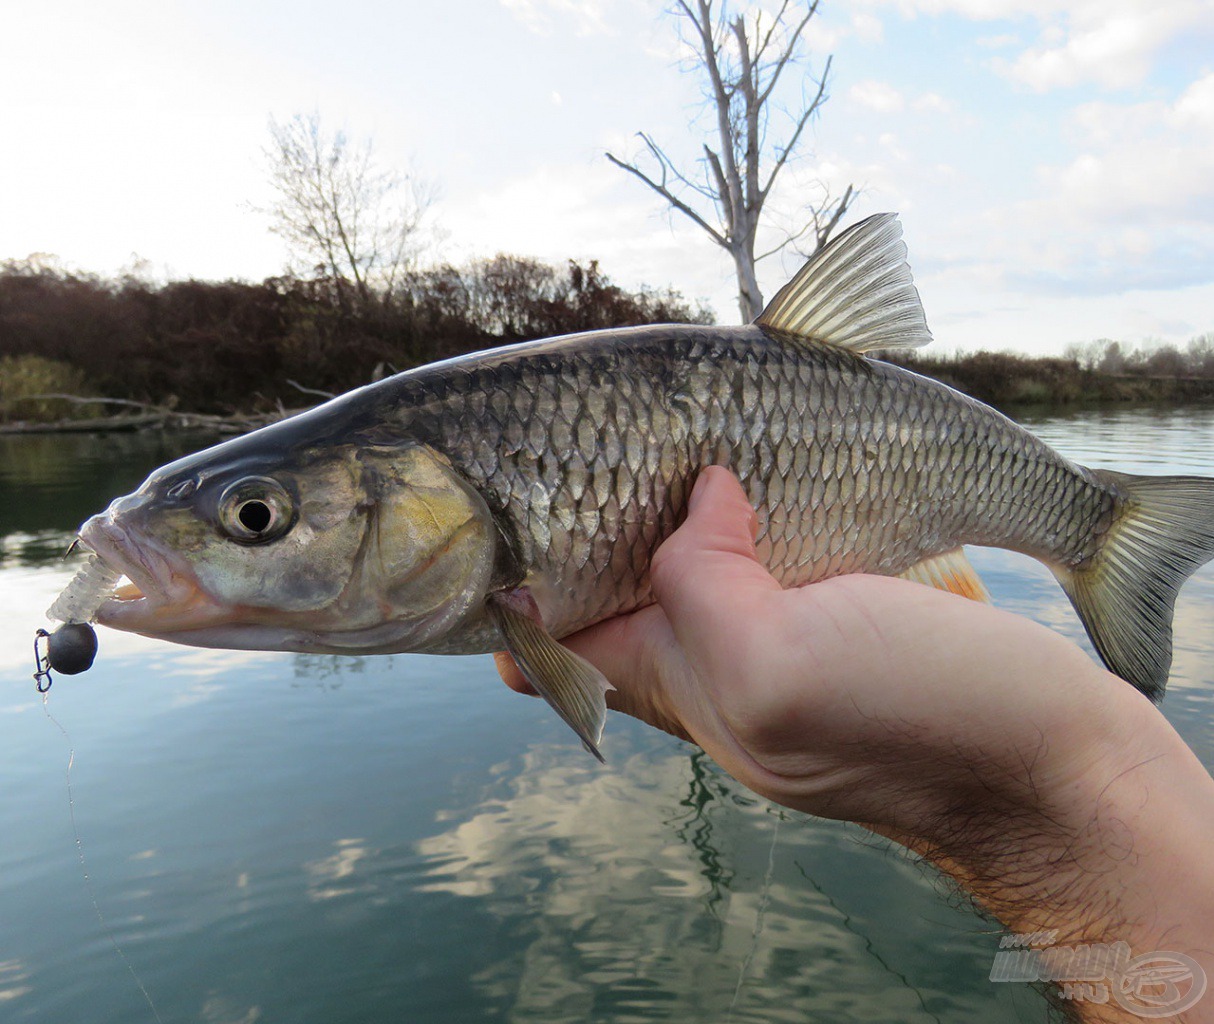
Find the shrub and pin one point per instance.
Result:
(22, 378)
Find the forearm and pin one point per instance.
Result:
(1118, 855)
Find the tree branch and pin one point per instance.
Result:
(802, 121)
(671, 198)
(718, 174)
(824, 233)
(742, 59)
(789, 50)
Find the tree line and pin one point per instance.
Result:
(1094, 372)
(223, 347)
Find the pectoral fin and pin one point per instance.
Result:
(573, 686)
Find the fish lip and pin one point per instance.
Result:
(109, 543)
(162, 589)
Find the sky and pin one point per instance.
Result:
(1052, 160)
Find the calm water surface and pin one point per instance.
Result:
(310, 839)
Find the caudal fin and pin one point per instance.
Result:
(1125, 594)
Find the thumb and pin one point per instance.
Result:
(709, 567)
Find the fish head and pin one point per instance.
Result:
(352, 548)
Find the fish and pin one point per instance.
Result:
(509, 498)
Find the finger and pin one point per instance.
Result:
(511, 675)
(709, 568)
(639, 657)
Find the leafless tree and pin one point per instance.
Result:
(340, 214)
(742, 58)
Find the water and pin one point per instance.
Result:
(311, 839)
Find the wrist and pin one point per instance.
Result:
(1112, 847)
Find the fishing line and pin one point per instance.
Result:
(88, 881)
(764, 899)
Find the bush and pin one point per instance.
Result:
(221, 347)
(23, 377)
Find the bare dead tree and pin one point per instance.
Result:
(743, 58)
(340, 214)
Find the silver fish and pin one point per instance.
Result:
(508, 498)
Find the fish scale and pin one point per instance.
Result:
(946, 470)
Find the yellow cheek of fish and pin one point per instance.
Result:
(434, 537)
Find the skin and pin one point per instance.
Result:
(1052, 791)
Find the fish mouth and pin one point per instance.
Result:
(151, 595)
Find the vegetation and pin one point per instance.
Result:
(220, 348)
(27, 381)
(1098, 372)
(224, 347)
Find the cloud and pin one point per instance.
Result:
(878, 96)
(868, 28)
(1134, 207)
(589, 17)
(1144, 161)
(933, 102)
(1111, 43)
(885, 99)
(998, 42)
(1114, 43)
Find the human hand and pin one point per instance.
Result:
(860, 697)
(979, 738)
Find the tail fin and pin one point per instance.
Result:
(1125, 594)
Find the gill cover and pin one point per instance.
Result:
(430, 544)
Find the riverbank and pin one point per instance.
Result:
(1009, 382)
(232, 355)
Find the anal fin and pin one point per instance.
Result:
(950, 571)
(570, 684)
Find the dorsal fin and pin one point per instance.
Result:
(855, 293)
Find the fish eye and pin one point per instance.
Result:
(256, 510)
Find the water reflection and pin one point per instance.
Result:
(13, 975)
(334, 875)
(316, 839)
(636, 909)
(53, 482)
(705, 789)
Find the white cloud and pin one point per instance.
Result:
(589, 17)
(885, 99)
(1111, 43)
(879, 96)
(1144, 159)
(998, 42)
(933, 102)
(1114, 43)
(868, 28)
(1133, 208)
(1195, 108)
